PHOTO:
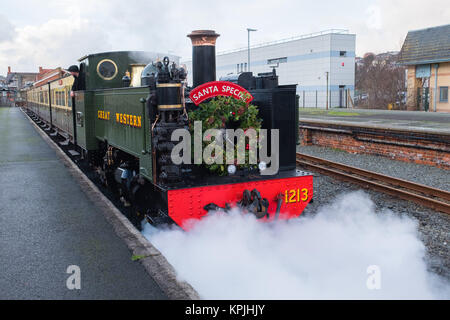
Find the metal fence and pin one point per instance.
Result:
(318, 99)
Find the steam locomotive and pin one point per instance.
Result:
(122, 125)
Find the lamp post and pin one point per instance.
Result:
(248, 33)
(327, 88)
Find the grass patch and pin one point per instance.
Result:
(338, 150)
(311, 111)
(343, 113)
(137, 257)
(314, 111)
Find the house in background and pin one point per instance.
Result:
(5, 93)
(47, 75)
(17, 80)
(426, 55)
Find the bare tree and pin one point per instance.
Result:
(381, 80)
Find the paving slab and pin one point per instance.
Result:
(47, 223)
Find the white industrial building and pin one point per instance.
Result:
(304, 60)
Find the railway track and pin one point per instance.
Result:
(436, 199)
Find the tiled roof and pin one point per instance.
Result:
(426, 46)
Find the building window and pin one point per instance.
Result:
(237, 68)
(277, 60)
(245, 66)
(342, 53)
(443, 94)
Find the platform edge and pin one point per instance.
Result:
(154, 262)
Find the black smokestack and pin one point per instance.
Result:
(203, 56)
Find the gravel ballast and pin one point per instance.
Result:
(434, 227)
(419, 173)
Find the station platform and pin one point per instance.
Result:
(419, 137)
(418, 121)
(47, 223)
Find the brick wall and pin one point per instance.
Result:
(418, 148)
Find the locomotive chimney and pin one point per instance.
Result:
(203, 56)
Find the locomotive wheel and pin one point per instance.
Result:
(141, 198)
(111, 182)
(136, 216)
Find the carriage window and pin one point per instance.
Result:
(107, 69)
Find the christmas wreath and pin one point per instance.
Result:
(226, 113)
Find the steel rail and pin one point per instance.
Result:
(436, 199)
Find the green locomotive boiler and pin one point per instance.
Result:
(122, 125)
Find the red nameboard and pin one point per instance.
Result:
(219, 88)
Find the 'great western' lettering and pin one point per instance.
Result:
(129, 119)
(103, 114)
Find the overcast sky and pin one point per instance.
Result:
(56, 33)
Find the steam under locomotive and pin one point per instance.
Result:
(122, 125)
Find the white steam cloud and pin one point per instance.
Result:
(327, 256)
